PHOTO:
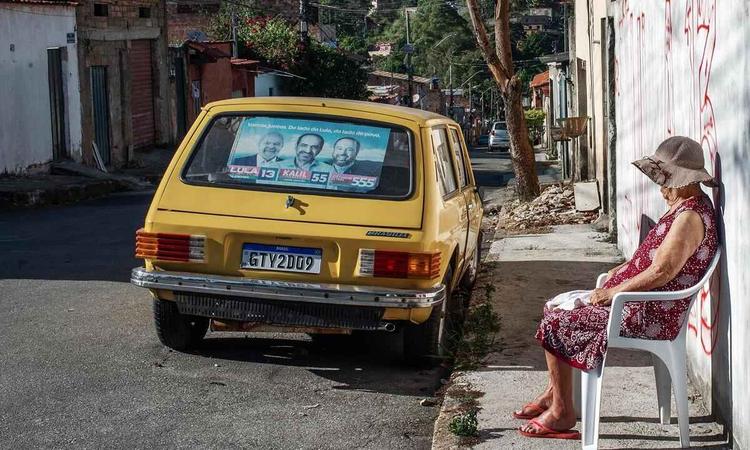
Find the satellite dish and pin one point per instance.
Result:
(197, 36)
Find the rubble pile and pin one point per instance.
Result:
(555, 206)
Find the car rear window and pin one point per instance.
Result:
(303, 153)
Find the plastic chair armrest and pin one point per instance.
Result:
(619, 300)
(601, 279)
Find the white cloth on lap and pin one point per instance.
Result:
(570, 300)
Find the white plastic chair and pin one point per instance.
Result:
(669, 359)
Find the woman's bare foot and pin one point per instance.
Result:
(543, 401)
(554, 418)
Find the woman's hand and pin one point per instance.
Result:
(602, 297)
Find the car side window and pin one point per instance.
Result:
(458, 151)
(443, 163)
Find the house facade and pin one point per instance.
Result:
(393, 88)
(40, 120)
(122, 57)
(647, 71)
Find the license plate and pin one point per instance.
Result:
(281, 258)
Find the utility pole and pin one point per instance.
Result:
(450, 83)
(303, 37)
(409, 49)
(235, 52)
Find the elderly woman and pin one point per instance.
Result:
(675, 255)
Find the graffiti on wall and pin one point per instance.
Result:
(694, 116)
(700, 34)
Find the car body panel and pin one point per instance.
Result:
(341, 226)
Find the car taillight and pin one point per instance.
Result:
(170, 247)
(389, 264)
(492, 132)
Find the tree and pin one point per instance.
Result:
(322, 72)
(500, 62)
(329, 73)
(444, 45)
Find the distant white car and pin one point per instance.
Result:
(499, 138)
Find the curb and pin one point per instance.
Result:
(65, 194)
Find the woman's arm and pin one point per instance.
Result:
(683, 239)
(611, 272)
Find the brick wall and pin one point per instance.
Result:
(122, 14)
(184, 18)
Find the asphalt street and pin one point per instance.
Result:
(81, 365)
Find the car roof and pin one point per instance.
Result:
(417, 115)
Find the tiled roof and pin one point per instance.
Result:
(540, 79)
(243, 62)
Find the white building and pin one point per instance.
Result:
(646, 71)
(40, 119)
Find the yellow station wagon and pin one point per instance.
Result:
(310, 215)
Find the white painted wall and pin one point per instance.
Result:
(25, 122)
(588, 47)
(266, 81)
(682, 69)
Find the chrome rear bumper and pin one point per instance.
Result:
(336, 294)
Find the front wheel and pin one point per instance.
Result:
(178, 331)
(470, 275)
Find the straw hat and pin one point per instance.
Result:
(677, 162)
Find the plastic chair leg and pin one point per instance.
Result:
(663, 389)
(678, 371)
(577, 392)
(591, 390)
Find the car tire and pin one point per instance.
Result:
(432, 339)
(178, 331)
(470, 275)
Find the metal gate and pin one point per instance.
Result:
(141, 94)
(100, 103)
(56, 102)
(181, 105)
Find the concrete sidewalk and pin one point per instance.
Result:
(526, 271)
(65, 182)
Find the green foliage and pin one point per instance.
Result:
(480, 327)
(465, 424)
(271, 39)
(329, 73)
(322, 71)
(534, 117)
(441, 37)
(220, 25)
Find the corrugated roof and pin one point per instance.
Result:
(400, 76)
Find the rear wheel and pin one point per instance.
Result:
(178, 331)
(433, 338)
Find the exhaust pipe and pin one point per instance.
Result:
(388, 326)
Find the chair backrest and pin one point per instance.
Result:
(695, 290)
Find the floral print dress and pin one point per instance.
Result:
(579, 337)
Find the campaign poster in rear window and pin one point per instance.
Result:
(317, 154)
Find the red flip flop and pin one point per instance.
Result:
(544, 431)
(536, 409)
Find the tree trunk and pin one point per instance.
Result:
(500, 63)
(521, 151)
